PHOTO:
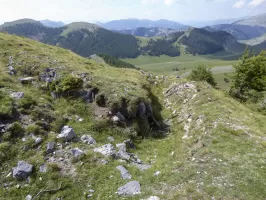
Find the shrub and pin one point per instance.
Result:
(250, 77)
(201, 73)
(67, 84)
(16, 130)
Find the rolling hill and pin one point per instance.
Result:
(73, 128)
(129, 24)
(82, 38)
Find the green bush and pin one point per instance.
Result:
(6, 106)
(250, 78)
(67, 84)
(202, 74)
(16, 130)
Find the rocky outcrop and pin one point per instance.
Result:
(17, 95)
(26, 80)
(76, 152)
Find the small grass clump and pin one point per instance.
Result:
(16, 130)
(6, 106)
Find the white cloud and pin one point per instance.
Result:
(240, 4)
(256, 2)
(169, 2)
(145, 2)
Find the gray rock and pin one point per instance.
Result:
(27, 80)
(87, 139)
(110, 139)
(43, 168)
(76, 152)
(22, 171)
(129, 189)
(124, 173)
(17, 95)
(67, 134)
(107, 150)
(50, 147)
(121, 146)
(38, 141)
(123, 155)
(28, 197)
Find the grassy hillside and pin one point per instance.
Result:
(255, 41)
(239, 31)
(208, 151)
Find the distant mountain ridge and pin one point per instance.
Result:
(53, 24)
(149, 32)
(129, 24)
(87, 39)
(258, 20)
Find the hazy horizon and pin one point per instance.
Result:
(106, 10)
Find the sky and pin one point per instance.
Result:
(107, 10)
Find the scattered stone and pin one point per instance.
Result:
(115, 119)
(38, 141)
(22, 171)
(50, 147)
(28, 197)
(76, 152)
(131, 188)
(103, 162)
(91, 191)
(124, 173)
(27, 80)
(121, 146)
(157, 173)
(17, 95)
(43, 168)
(110, 139)
(89, 196)
(67, 134)
(107, 150)
(87, 139)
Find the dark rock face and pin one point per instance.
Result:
(129, 189)
(22, 171)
